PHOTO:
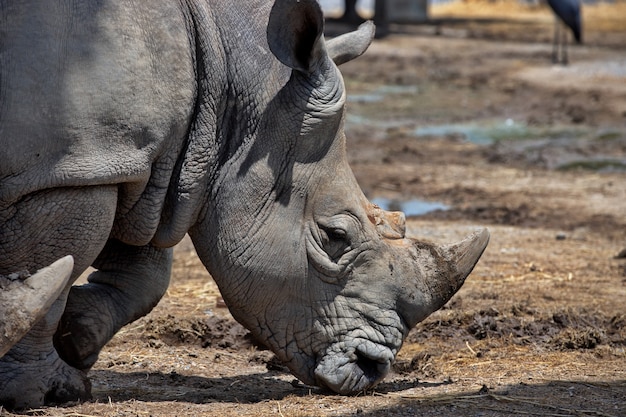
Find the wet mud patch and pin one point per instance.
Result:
(568, 328)
(211, 331)
(528, 214)
(597, 151)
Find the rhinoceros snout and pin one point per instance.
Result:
(351, 371)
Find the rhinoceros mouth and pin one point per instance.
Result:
(352, 370)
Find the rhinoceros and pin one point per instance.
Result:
(126, 125)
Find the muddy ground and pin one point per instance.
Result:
(539, 327)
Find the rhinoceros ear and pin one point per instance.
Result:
(351, 45)
(294, 33)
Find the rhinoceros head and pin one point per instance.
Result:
(326, 279)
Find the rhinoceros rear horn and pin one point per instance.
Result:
(294, 33)
(22, 303)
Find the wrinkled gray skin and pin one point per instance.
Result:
(125, 125)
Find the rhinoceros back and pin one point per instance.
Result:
(91, 93)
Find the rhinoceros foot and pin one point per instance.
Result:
(84, 330)
(46, 381)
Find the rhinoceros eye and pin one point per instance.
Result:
(335, 241)
(328, 241)
(336, 234)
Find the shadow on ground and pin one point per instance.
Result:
(411, 397)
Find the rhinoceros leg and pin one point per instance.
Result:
(32, 373)
(129, 282)
(22, 303)
(38, 229)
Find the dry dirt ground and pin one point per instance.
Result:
(540, 326)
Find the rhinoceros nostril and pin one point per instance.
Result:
(372, 369)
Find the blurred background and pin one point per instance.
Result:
(489, 75)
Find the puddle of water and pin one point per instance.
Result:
(414, 207)
(480, 135)
(359, 120)
(380, 93)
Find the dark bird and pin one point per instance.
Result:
(567, 14)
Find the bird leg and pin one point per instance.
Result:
(564, 60)
(556, 40)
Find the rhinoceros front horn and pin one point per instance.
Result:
(464, 255)
(443, 272)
